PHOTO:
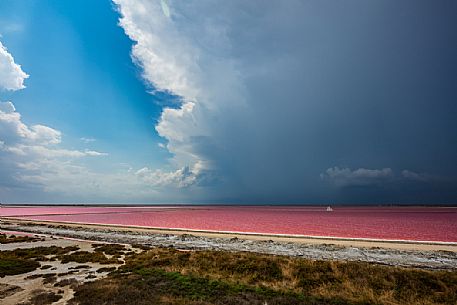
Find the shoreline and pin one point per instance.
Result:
(420, 256)
(77, 270)
(299, 239)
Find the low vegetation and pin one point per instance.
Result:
(169, 276)
(6, 290)
(21, 261)
(7, 239)
(106, 269)
(40, 253)
(88, 257)
(159, 287)
(40, 275)
(141, 247)
(42, 297)
(115, 250)
(67, 282)
(12, 265)
(79, 267)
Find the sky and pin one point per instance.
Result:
(249, 102)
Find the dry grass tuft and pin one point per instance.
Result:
(88, 257)
(7, 239)
(42, 297)
(169, 276)
(115, 250)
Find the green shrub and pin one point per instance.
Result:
(10, 265)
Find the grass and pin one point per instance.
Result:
(169, 276)
(79, 267)
(50, 279)
(39, 253)
(106, 269)
(7, 239)
(151, 286)
(21, 261)
(141, 247)
(42, 275)
(67, 282)
(86, 257)
(11, 265)
(115, 250)
(43, 298)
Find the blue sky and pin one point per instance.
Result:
(83, 81)
(261, 102)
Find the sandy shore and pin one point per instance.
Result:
(317, 240)
(428, 256)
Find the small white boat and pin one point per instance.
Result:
(329, 209)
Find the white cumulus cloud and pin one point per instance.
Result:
(174, 58)
(181, 178)
(32, 154)
(35, 140)
(13, 130)
(11, 75)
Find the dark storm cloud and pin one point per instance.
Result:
(294, 88)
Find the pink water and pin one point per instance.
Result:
(398, 223)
